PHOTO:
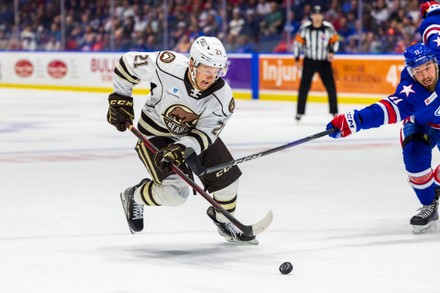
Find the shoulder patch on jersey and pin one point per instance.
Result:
(167, 57)
(430, 99)
(231, 106)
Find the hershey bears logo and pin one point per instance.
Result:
(180, 119)
(167, 57)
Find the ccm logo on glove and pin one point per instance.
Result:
(120, 111)
(346, 124)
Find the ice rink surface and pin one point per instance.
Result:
(341, 207)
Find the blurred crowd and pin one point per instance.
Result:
(385, 26)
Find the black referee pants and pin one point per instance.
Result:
(324, 68)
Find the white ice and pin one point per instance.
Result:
(341, 207)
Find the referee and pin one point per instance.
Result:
(318, 40)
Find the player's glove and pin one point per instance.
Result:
(120, 111)
(346, 124)
(427, 7)
(173, 153)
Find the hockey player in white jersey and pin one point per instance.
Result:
(188, 106)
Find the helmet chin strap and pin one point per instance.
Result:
(193, 74)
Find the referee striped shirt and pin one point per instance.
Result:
(314, 42)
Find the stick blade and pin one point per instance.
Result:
(258, 227)
(263, 224)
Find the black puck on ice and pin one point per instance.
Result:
(286, 268)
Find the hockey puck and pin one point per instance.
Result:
(286, 268)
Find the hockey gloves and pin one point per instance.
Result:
(120, 111)
(173, 153)
(427, 7)
(346, 124)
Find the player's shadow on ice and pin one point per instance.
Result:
(184, 253)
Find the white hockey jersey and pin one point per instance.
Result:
(174, 108)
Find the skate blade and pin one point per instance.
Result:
(125, 212)
(235, 241)
(432, 226)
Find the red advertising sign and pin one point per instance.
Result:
(24, 68)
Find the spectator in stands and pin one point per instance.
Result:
(380, 11)
(272, 22)
(4, 40)
(333, 12)
(285, 45)
(251, 27)
(27, 37)
(370, 44)
(412, 9)
(150, 16)
(178, 33)
(52, 44)
(151, 43)
(141, 18)
(206, 11)
(345, 29)
(231, 43)
(183, 45)
(351, 46)
(263, 8)
(6, 16)
(244, 45)
(292, 24)
(100, 43)
(212, 26)
(237, 22)
(139, 43)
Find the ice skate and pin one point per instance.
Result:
(134, 212)
(426, 220)
(230, 232)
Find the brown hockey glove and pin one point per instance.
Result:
(120, 111)
(173, 153)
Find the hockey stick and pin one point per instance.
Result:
(194, 163)
(249, 230)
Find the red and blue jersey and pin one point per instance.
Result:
(410, 98)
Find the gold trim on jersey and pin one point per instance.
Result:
(122, 71)
(203, 139)
(146, 159)
(147, 194)
(228, 205)
(148, 127)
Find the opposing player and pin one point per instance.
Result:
(188, 106)
(416, 102)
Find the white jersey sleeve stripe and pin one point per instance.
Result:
(121, 72)
(429, 31)
(385, 113)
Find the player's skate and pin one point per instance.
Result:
(426, 219)
(134, 212)
(229, 231)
